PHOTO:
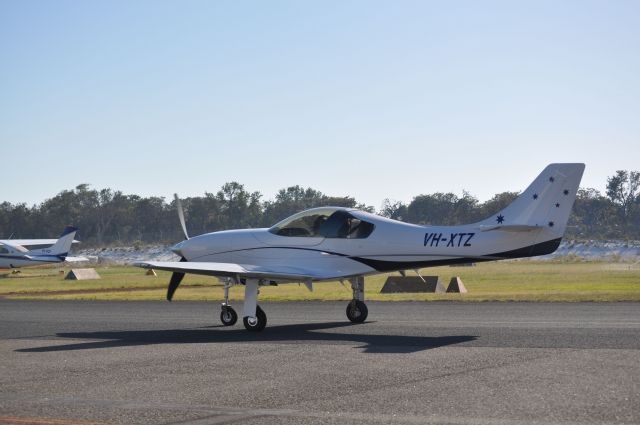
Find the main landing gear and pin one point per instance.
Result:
(254, 318)
(357, 311)
(256, 323)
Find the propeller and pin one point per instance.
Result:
(181, 215)
(177, 277)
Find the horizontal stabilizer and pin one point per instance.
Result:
(510, 228)
(75, 259)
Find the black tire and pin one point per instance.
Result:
(228, 316)
(260, 323)
(357, 311)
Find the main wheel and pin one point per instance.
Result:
(357, 311)
(258, 323)
(228, 316)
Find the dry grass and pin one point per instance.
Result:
(499, 281)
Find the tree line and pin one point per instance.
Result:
(106, 216)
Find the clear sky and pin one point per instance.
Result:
(362, 98)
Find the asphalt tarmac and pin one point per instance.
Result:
(418, 362)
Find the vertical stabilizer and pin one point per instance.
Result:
(546, 203)
(63, 244)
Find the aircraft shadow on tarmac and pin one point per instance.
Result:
(285, 333)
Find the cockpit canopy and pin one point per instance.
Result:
(327, 222)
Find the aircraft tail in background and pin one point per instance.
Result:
(62, 246)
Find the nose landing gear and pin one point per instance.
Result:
(228, 315)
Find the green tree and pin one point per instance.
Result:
(622, 189)
(237, 205)
(395, 210)
(497, 203)
(149, 216)
(289, 201)
(593, 216)
(435, 209)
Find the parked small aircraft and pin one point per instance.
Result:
(14, 252)
(333, 243)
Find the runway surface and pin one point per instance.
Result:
(438, 362)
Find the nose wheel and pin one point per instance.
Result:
(228, 315)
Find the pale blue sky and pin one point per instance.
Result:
(361, 98)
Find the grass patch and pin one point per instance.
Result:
(500, 281)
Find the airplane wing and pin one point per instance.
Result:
(293, 274)
(27, 243)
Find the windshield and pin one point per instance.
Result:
(306, 223)
(323, 223)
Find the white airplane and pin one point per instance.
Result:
(333, 243)
(14, 252)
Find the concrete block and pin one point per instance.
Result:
(456, 285)
(82, 274)
(398, 284)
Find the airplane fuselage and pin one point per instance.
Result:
(11, 262)
(391, 246)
